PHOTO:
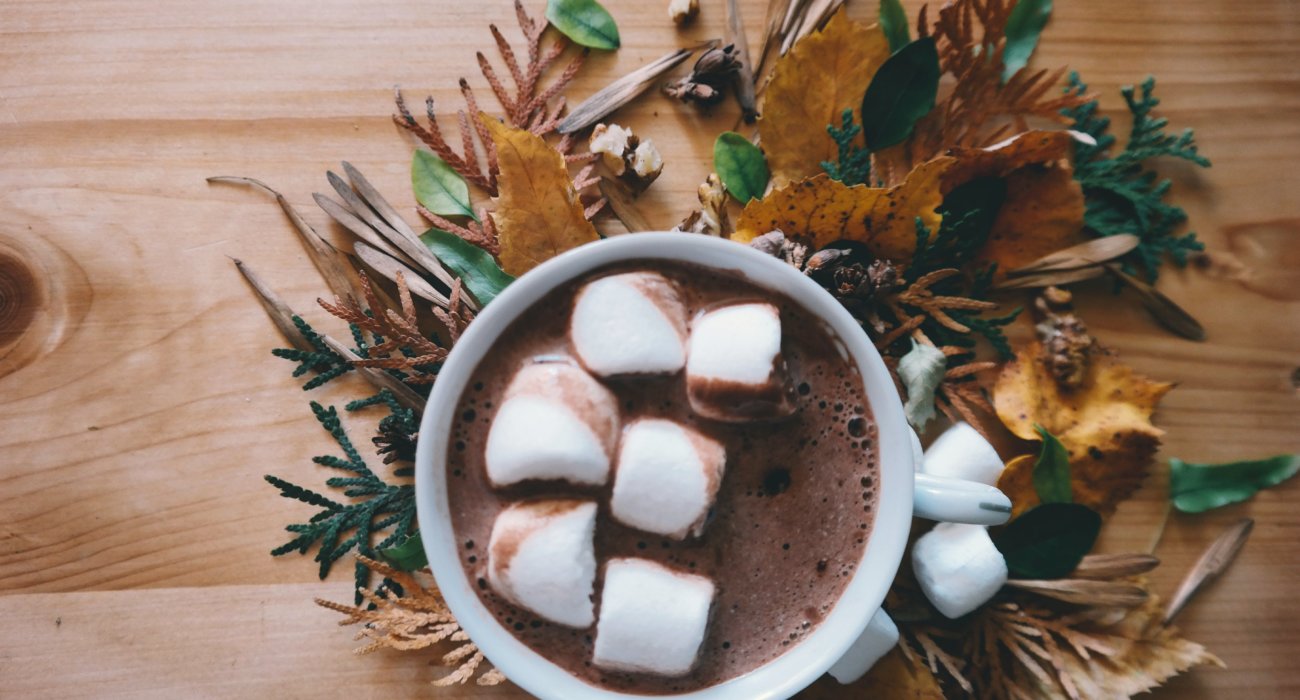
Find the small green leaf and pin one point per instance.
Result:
(741, 165)
(473, 265)
(1052, 470)
(407, 556)
(1049, 540)
(902, 91)
(893, 20)
(1196, 488)
(438, 188)
(586, 22)
(1025, 23)
(921, 370)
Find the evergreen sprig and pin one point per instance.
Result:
(852, 165)
(327, 364)
(1121, 195)
(960, 237)
(375, 506)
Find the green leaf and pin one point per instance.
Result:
(1025, 23)
(921, 370)
(407, 556)
(901, 92)
(1049, 540)
(893, 20)
(741, 166)
(473, 265)
(1196, 488)
(437, 187)
(586, 22)
(1052, 470)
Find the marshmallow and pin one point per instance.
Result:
(633, 323)
(962, 453)
(666, 479)
(958, 567)
(541, 556)
(879, 638)
(555, 422)
(734, 368)
(652, 618)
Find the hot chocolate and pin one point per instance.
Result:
(789, 521)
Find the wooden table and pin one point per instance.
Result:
(139, 407)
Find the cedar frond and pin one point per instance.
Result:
(414, 619)
(530, 105)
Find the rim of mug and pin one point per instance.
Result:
(776, 679)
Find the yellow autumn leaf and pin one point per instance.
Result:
(894, 677)
(820, 210)
(824, 74)
(538, 215)
(1105, 425)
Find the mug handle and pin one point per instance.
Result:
(958, 501)
(934, 498)
(876, 640)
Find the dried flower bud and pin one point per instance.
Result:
(683, 12)
(824, 261)
(716, 66)
(712, 72)
(775, 243)
(769, 243)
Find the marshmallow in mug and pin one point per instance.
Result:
(541, 556)
(631, 323)
(962, 453)
(555, 422)
(958, 567)
(666, 478)
(734, 368)
(652, 618)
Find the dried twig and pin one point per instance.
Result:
(327, 259)
(621, 91)
(744, 79)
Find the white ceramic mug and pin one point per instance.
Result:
(853, 634)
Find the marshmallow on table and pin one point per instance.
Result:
(734, 368)
(555, 422)
(652, 618)
(666, 478)
(632, 323)
(962, 453)
(958, 567)
(542, 557)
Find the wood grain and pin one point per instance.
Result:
(139, 406)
